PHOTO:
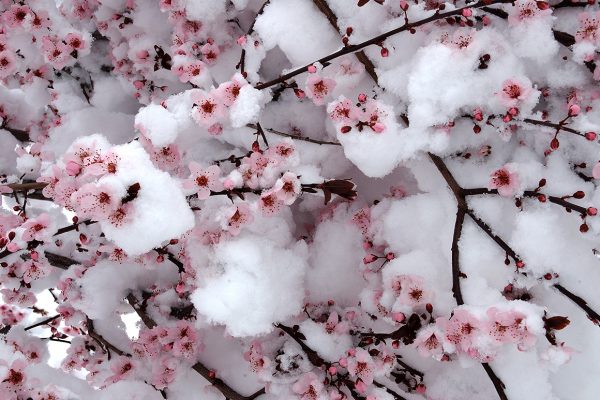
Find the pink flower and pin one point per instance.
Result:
(589, 24)
(429, 341)
(229, 91)
(34, 270)
(203, 181)
(525, 10)
(344, 111)
(96, 201)
(208, 110)
(192, 72)
(505, 180)
(15, 376)
(318, 88)
(8, 64)
(236, 217)
(514, 92)
(17, 15)
(269, 204)
(39, 228)
(309, 386)
(211, 52)
(461, 329)
(56, 52)
(75, 41)
(287, 188)
(410, 290)
(122, 367)
(509, 327)
(362, 366)
(596, 171)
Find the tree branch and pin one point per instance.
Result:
(378, 39)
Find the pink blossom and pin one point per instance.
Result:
(362, 366)
(461, 329)
(38, 228)
(344, 111)
(203, 180)
(429, 341)
(8, 64)
(72, 168)
(309, 386)
(236, 217)
(509, 327)
(96, 201)
(33, 270)
(208, 109)
(505, 180)
(269, 203)
(17, 15)
(410, 290)
(75, 41)
(192, 71)
(122, 368)
(229, 91)
(526, 10)
(514, 92)
(589, 24)
(211, 52)
(318, 88)
(287, 188)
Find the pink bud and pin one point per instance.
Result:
(299, 93)
(592, 211)
(420, 389)
(138, 85)
(12, 247)
(351, 352)
(513, 111)
(384, 52)
(507, 118)
(478, 115)
(486, 20)
(403, 5)
(332, 370)
(390, 256)
(574, 110)
(228, 183)
(362, 97)
(467, 12)
(242, 40)
(398, 316)
(34, 255)
(312, 69)
(590, 136)
(73, 168)
(360, 386)
(378, 127)
(542, 5)
(343, 362)
(367, 245)
(369, 258)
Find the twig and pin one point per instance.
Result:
(377, 39)
(107, 346)
(43, 322)
(361, 56)
(498, 384)
(296, 137)
(592, 315)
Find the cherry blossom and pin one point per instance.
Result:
(505, 180)
(204, 180)
(319, 88)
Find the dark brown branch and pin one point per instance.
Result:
(496, 381)
(43, 322)
(20, 135)
(73, 227)
(296, 137)
(499, 241)
(390, 391)
(378, 39)
(206, 373)
(312, 355)
(105, 344)
(533, 194)
(558, 127)
(361, 56)
(592, 315)
(58, 261)
(242, 63)
(22, 187)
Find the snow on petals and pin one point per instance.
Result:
(319, 88)
(203, 180)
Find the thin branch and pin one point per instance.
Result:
(592, 315)
(107, 346)
(73, 227)
(558, 127)
(361, 56)
(498, 384)
(43, 322)
(19, 134)
(378, 39)
(296, 137)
